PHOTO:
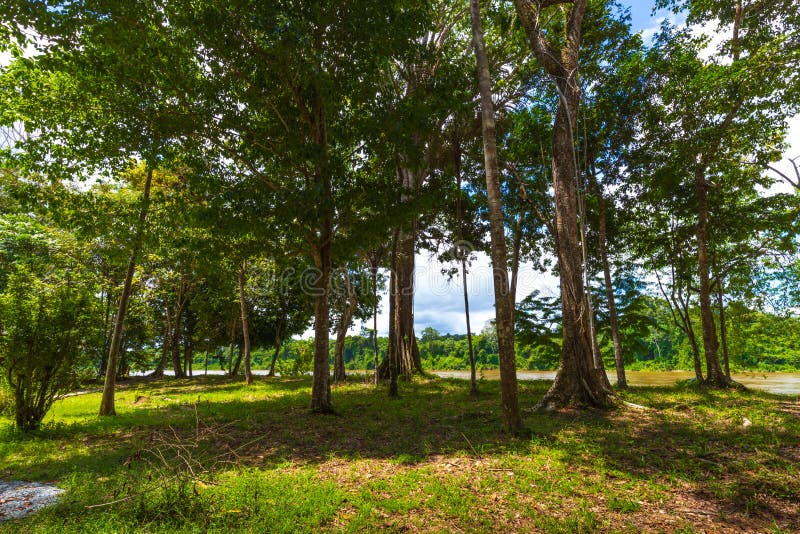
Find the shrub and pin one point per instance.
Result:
(46, 305)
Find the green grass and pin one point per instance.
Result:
(434, 460)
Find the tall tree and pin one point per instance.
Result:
(503, 299)
(578, 379)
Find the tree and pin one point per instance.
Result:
(714, 112)
(504, 305)
(578, 379)
(47, 312)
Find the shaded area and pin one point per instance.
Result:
(686, 459)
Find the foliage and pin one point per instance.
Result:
(46, 316)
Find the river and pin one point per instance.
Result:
(783, 383)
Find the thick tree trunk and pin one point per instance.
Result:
(619, 362)
(248, 374)
(321, 387)
(504, 305)
(578, 380)
(408, 358)
(107, 406)
(715, 377)
(597, 357)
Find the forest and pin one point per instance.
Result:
(213, 223)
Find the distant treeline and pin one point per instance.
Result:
(755, 341)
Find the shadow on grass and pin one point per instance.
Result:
(269, 424)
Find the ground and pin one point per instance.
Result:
(210, 454)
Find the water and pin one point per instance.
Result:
(783, 383)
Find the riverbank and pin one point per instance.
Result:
(211, 454)
(778, 383)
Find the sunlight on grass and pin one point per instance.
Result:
(432, 460)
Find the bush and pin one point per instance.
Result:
(46, 306)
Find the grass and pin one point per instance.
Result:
(435, 460)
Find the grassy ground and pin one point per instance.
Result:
(209, 454)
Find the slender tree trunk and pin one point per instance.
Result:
(188, 343)
(178, 327)
(234, 322)
(177, 341)
(596, 355)
(248, 374)
(473, 386)
(622, 380)
(238, 363)
(107, 406)
(715, 377)
(689, 330)
(473, 379)
(339, 374)
(723, 328)
(504, 305)
(392, 357)
(275, 355)
(165, 348)
(375, 320)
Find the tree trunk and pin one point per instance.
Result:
(177, 341)
(723, 328)
(165, 348)
(504, 305)
(234, 322)
(238, 362)
(408, 358)
(248, 374)
(188, 342)
(578, 379)
(375, 319)
(473, 379)
(715, 377)
(321, 387)
(275, 355)
(619, 362)
(339, 374)
(393, 320)
(597, 357)
(107, 406)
